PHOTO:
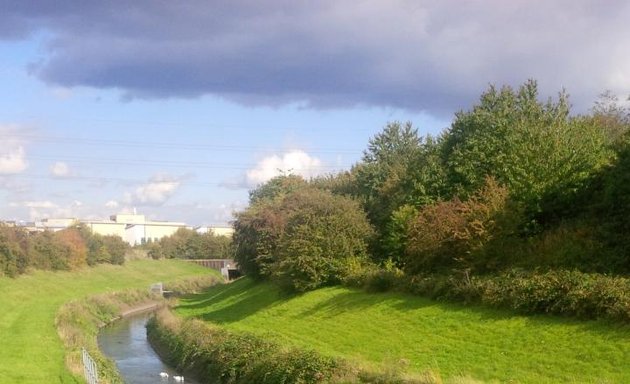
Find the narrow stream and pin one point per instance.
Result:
(125, 342)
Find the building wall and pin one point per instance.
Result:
(132, 228)
(158, 231)
(106, 228)
(134, 233)
(128, 218)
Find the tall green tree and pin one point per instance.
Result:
(534, 148)
(398, 168)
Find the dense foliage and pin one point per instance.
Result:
(215, 355)
(67, 249)
(212, 354)
(515, 182)
(532, 148)
(189, 244)
(302, 237)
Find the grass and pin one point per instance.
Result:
(30, 349)
(455, 341)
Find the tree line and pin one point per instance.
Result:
(70, 248)
(189, 244)
(77, 247)
(514, 182)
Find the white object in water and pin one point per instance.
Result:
(179, 378)
(164, 374)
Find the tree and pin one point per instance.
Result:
(301, 237)
(13, 258)
(533, 148)
(612, 117)
(276, 188)
(398, 168)
(324, 235)
(116, 248)
(257, 228)
(73, 248)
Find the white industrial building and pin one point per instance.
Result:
(133, 228)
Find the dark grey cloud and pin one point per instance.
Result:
(435, 56)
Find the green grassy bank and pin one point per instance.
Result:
(372, 329)
(30, 349)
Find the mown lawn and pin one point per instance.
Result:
(454, 340)
(30, 350)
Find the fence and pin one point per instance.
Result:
(214, 263)
(89, 368)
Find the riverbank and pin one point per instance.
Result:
(32, 352)
(383, 330)
(78, 322)
(212, 354)
(124, 341)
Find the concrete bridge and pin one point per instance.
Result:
(227, 267)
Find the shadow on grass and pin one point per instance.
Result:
(245, 297)
(356, 300)
(232, 302)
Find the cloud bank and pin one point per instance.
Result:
(434, 56)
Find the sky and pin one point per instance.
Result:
(179, 108)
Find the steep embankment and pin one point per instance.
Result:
(453, 340)
(30, 349)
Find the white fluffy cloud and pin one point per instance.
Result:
(159, 189)
(294, 162)
(112, 204)
(12, 153)
(60, 169)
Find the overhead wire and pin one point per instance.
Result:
(171, 145)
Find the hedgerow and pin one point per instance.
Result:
(558, 292)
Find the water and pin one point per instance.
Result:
(125, 342)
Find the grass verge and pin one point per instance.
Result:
(452, 340)
(214, 355)
(30, 348)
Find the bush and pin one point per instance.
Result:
(454, 234)
(567, 293)
(373, 278)
(13, 257)
(216, 355)
(323, 235)
(302, 238)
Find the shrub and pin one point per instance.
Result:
(323, 235)
(216, 355)
(301, 238)
(453, 234)
(13, 258)
(567, 293)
